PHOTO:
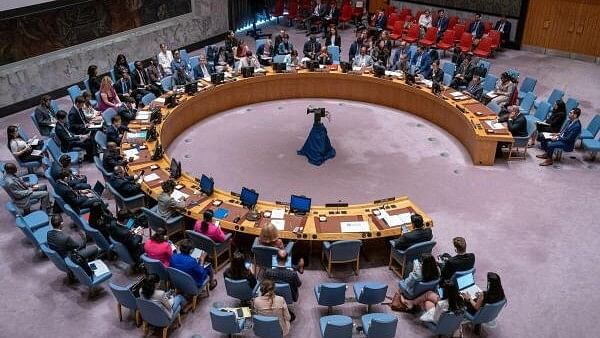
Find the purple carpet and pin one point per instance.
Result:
(537, 227)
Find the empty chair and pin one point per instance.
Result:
(527, 103)
(212, 248)
(122, 252)
(100, 139)
(267, 327)
(485, 64)
(446, 325)
(74, 91)
(540, 113)
(489, 84)
(173, 224)
(494, 107)
(57, 260)
(37, 237)
(466, 41)
(239, 289)
(407, 256)
(93, 281)
(154, 315)
(592, 146)
(484, 48)
(341, 252)
(447, 41)
(125, 298)
(107, 116)
(148, 98)
(131, 203)
(430, 37)
(554, 96)
(34, 220)
(167, 83)
(226, 322)
(379, 325)
(413, 34)
(184, 54)
(330, 295)
(486, 314)
(397, 31)
(263, 255)
(100, 167)
(370, 293)
(336, 326)
(285, 291)
(154, 266)
(570, 104)
(447, 79)
(187, 285)
(449, 68)
(592, 129)
(527, 86)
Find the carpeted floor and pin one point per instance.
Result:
(536, 227)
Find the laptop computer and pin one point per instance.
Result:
(99, 188)
(466, 284)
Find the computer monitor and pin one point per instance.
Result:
(378, 70)
(217, 78)
(207, 185)
(248, 197)
(247, 71)
(191, 88)
(280, 67)
(345, 66)
(175, 169)
(300, 204)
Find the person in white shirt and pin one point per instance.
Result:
(425, 22)
(248, 61)
(363, 59)
(165, 57)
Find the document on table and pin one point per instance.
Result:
(159, 100)
(131, 152)
(151, 177)
(491, 94)
(142, 115)
(278, 223)
(359, 226)
(277, 213)
(495, 125)
(178, 195)
(456, 94)
(141, 134)
(98, 267)
(428, 83)
(34, 142)
(391, 73)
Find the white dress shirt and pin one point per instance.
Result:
(164, 60)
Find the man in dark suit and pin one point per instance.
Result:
(312, 47)
(265, 53)
(378, 22)
(123, 86)
(44, 115)
(204, 69)
(421, 62)
(474, 88)
(141, 81)
(565, 140)
(503, 26)
(77, 199)
(112, 158)
(461, 262)
(316, 15)
(278, 39)
(283, 274)
(441, 23)
(476, 28)
(77, 124)
(64, 244)
(418, 235)
(77, 182)
(332, 15)
(67, 139)
(437, 74)
(114, 132)
(124, 184)
(515, 121)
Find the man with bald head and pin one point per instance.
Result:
(124, 184)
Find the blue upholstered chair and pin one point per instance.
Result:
(36, 124)
(57, 260)
(212, 248)
(284, 290)
(92, 282)
(485, 64)
(486, 314)
(554, 96)
(570, 104)
(107, 116)
(122, 252)
(489, 83)
(239, 289)
(336, 326)
(100, 139)
(527, 103)
(102, 242)
(370, 293)
(334, 51)
(341, 252)
(407, 256)
(100, 167)
(278, 58)
(494, 107)
(113, 76)
(74, 91)
(379, 325)
(527, 86)
(125, 298)
(418, 289)
(61, 203)
(540, 113)
(330, 295)
(153, 314)
(148, 98)
(132, 203)
(267, 327)
(518, 149)
(592, 129)
(55, 152)
(263, 255)
(184, 55)
(448, 323)
(173, 224)
(186, 285)
(167, 83)
(458, 274)
(226, 322)
(447, 81)
(131, 66)
(12, 208)
(156, 267)
(449, 68)
(37, 237)
(592, 146)
(34, 220)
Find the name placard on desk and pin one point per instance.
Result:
(359, 226)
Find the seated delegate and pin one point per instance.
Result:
(493, 294)
(460, 262)
(24, 194)
(76, 181)
(24, 150)
(124, 184)
(553, 122)
(166, 300)
(112, 157)
(418, 235)
(237, 270)
(194, 267)
(425, 270)
(435, 306)
(44, 115)
(208, 228)
(65, 245)
(269, 304)
(564, 141)
(77, 199)
(157, 247)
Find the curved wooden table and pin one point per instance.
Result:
(461, 119)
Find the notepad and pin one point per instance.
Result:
(159, 100)
(98, 267)
(277, 213)
(178, 195)
(278, 223)
(196, 253)
(221, 213)
(456, 94)
(151, 177)
(131, 152)
(142, 115)
(359, 226)
(497, 125)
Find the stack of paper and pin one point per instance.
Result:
(178, 195)
(278, 223)
(197, 253)
(142, 115)
(159, 100)
(130, 152)
(358, 226)
(151, 177)
(277, 213)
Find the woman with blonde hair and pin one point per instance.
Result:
(108, 95)
(269, 236)
(269, 304)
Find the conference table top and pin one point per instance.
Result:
(465, 118)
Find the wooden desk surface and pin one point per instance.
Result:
(459, 118)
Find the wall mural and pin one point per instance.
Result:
(56, 28)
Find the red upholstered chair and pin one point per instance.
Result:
(391, 20)
(389, 10)
(495, 36)
(398, 30)
(416, 17)
(487, 26)
(466, 42)
(430, 37)
(459, 29)
(452, 21)
(484, 48)
(447, 41)
(404, 13)
(413, 34)
(346, 14)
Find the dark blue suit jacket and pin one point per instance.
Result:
(441, 24)
(198, 73)
(425, 68)
(570, 134)
(113, 135)
(478, 30)
(505, 34)
(65, 137)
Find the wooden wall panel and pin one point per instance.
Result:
(567, 25)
